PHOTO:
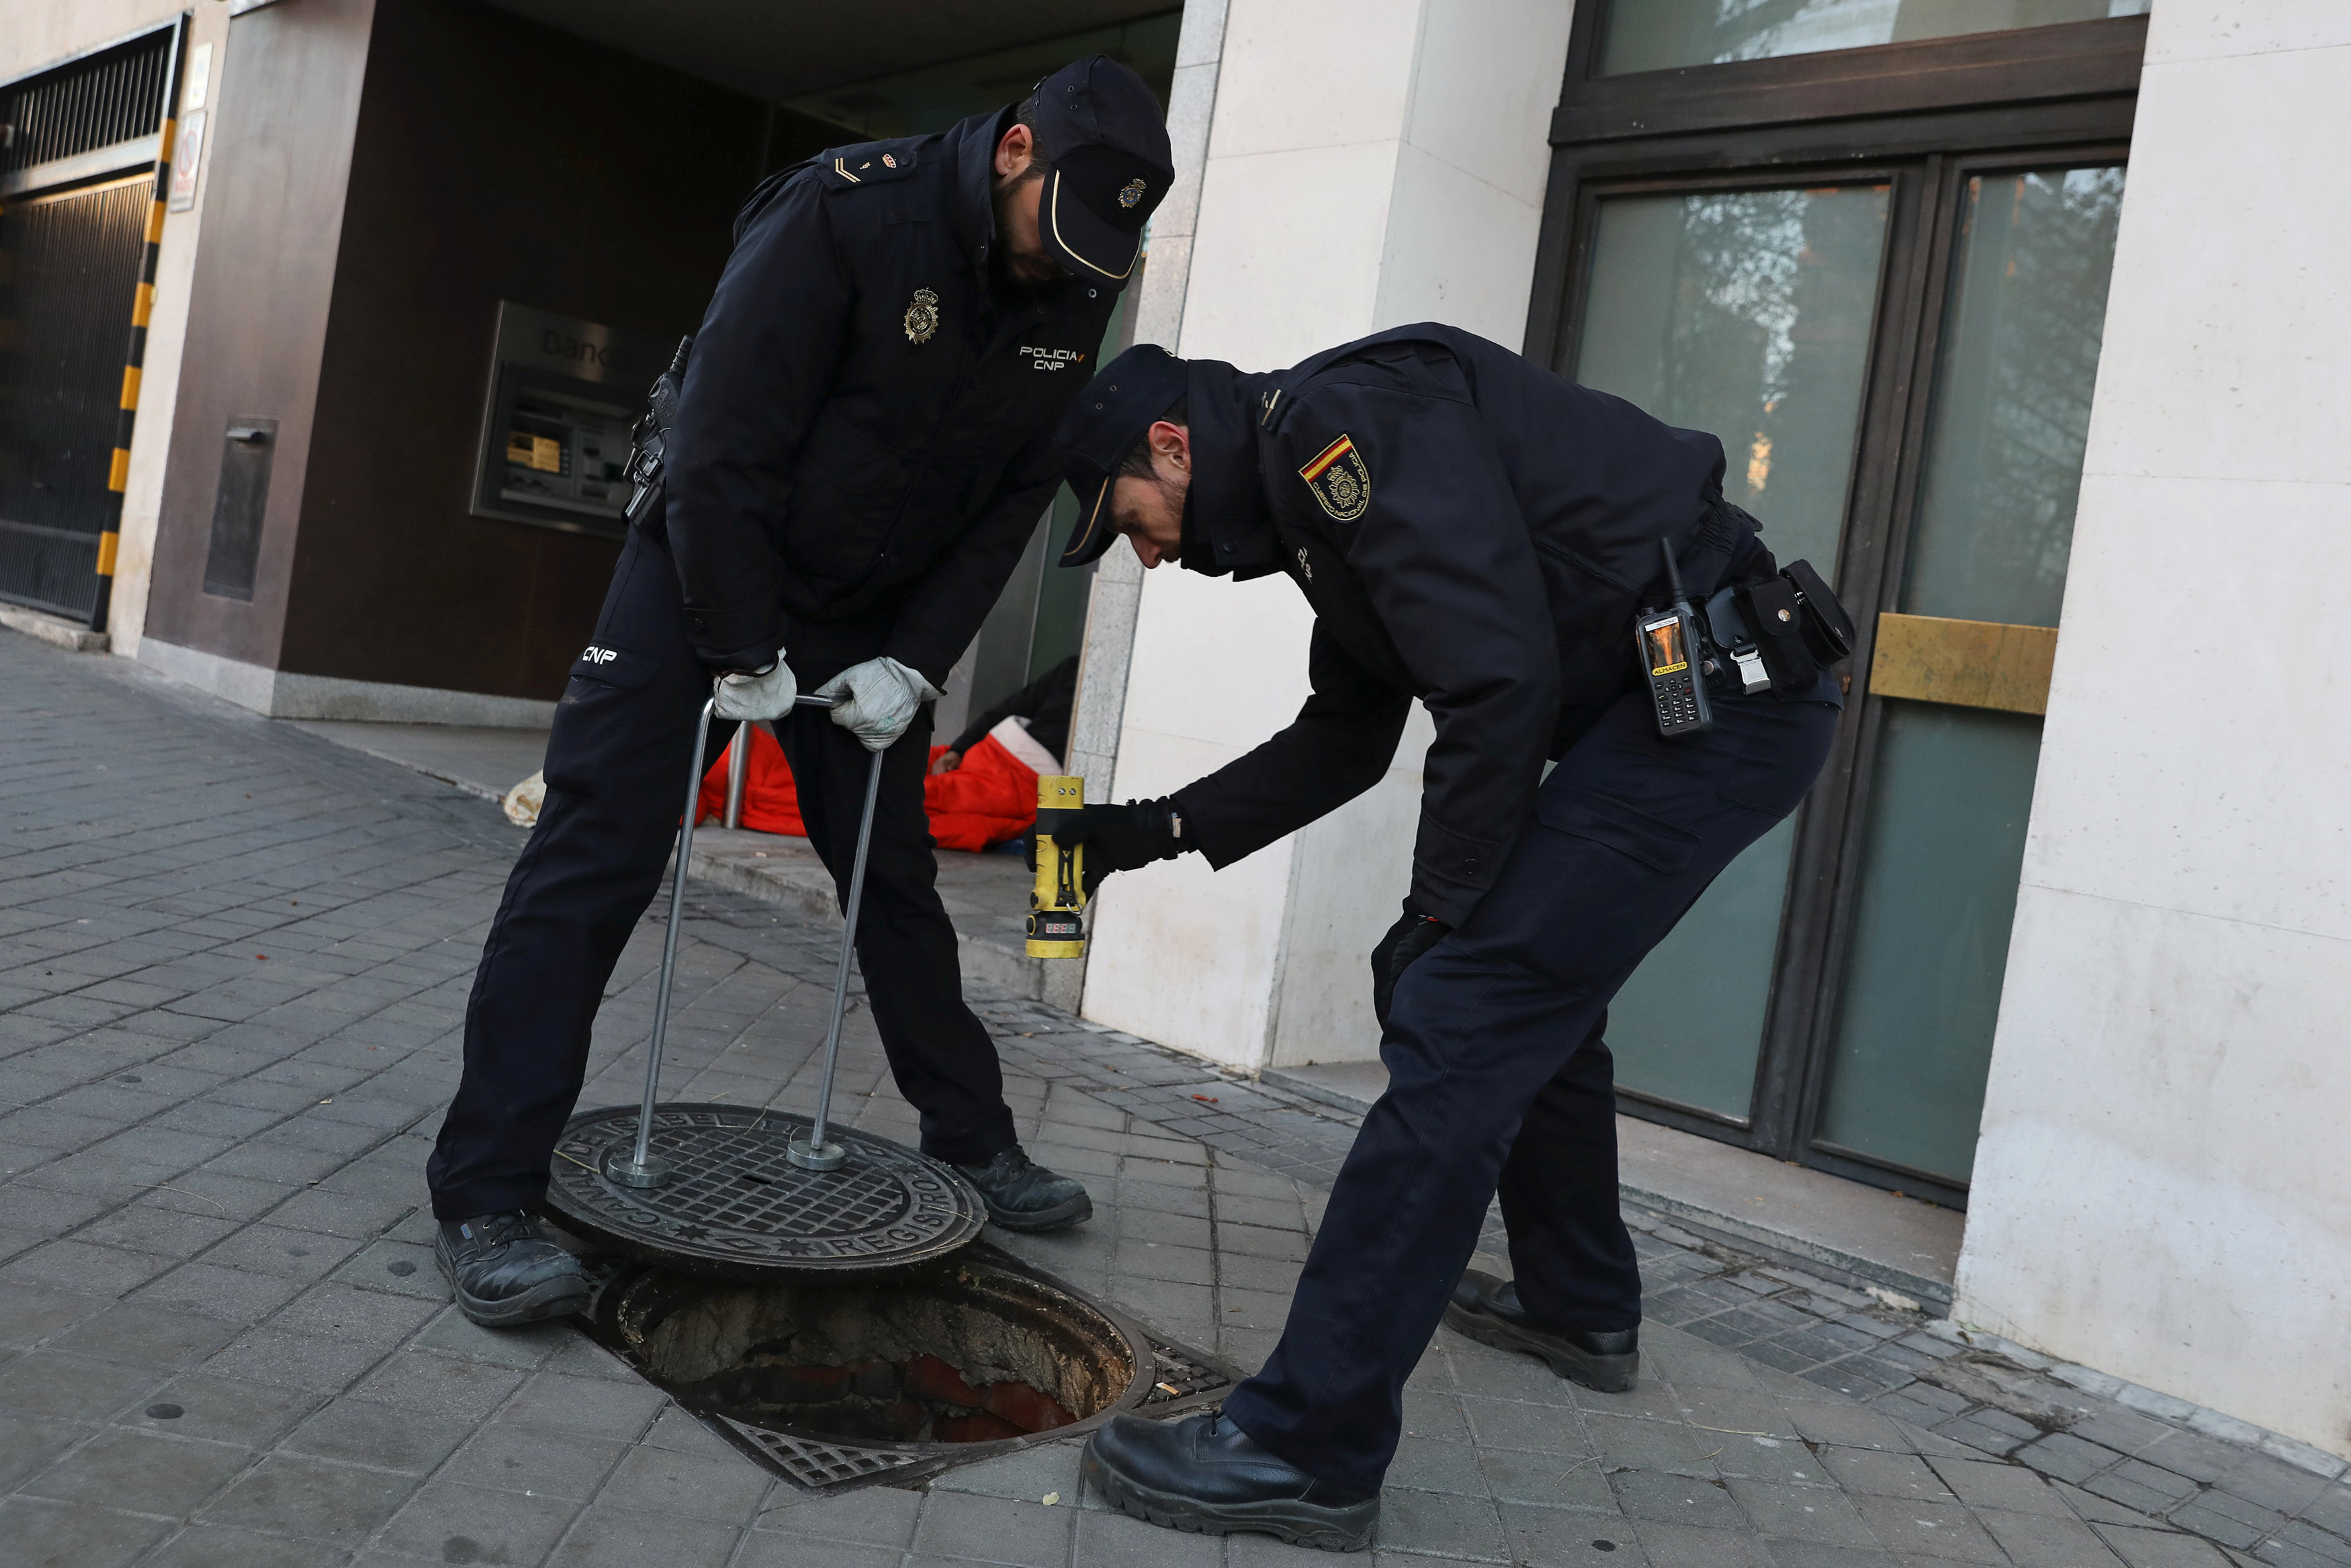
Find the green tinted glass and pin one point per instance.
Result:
(1748, 315)
(1659, 34)
(1688, 1025)
(1947, 805)
(2019, 361)
(1063, 594)
(1953, 786)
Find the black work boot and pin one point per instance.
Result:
(1205, 1474)
(1487, 1310)
(1023, 1195)
(506, 1272)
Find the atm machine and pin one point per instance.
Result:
(555, 426)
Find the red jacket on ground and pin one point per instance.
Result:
(988, 799)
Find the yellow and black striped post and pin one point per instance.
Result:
(143, 305)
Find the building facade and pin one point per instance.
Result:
(372, 468)
(2012, 318)
(2017, 317)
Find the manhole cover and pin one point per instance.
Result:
(735, 1207)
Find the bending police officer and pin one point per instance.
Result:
(1478, 534)
(862, 447)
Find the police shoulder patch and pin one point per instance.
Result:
(1340, 484)
(874, 164)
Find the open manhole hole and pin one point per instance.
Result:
(834, 1386)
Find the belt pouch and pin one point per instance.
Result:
(1827, 628)
(1778, 623)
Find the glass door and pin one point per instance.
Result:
(1960, 676)
(1899, 365)
(1747, 313)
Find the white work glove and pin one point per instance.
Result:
(769, 694)
(877, 700)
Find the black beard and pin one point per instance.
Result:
(1012, 286)
(1000, 271)
(1194, 554)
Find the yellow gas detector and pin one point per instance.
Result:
(1057, 927)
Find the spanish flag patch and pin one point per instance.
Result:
(1340, 484)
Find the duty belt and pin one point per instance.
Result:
(1779, 632)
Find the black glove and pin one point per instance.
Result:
(1123, 838)
(1412, 935)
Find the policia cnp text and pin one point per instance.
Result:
(862, 446)
(1481, 534)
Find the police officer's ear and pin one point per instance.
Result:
(1172, 442)
(1016, 154)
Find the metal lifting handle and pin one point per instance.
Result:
(813, 1152)
(644, 1168)
(739, 773)
(641, 1167)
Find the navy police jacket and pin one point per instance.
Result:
(1472, 531)
(867, 420)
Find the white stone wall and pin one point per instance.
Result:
(1158, 307)
(1369, 164)
(2163, 1187)
(37, 34)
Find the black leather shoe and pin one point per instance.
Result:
(1204, 1475)
(506, 1272)
(1023, 1195)
(1487, 1310)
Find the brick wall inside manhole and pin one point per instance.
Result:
(847, 1382)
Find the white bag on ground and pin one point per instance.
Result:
(523, 801)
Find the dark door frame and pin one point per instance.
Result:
(1923, 117)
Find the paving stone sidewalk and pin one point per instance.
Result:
(233, 960)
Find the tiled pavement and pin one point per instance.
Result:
(233, 960)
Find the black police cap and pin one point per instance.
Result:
(1102, 427)
(1107, 143)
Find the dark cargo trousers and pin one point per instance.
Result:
(616, 767)
(1499, 1076)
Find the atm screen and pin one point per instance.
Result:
(562, 395)
(567, 453)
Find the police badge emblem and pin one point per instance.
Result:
(1340, 484)
(922, 316)
(1132, 193)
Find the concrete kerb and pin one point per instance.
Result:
(55, 630)
(2148, 1401)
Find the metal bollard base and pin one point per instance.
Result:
(621, 1167)
(801, 1153)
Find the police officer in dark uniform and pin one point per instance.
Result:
(1478, 534)
(862, 446)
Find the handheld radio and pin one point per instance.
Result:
(1669, 647)
(649, 437)
(1057, 927)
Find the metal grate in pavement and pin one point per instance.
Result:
(814, 1465)
(1181, 1375)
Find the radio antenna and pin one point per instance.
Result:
(1673, 575)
